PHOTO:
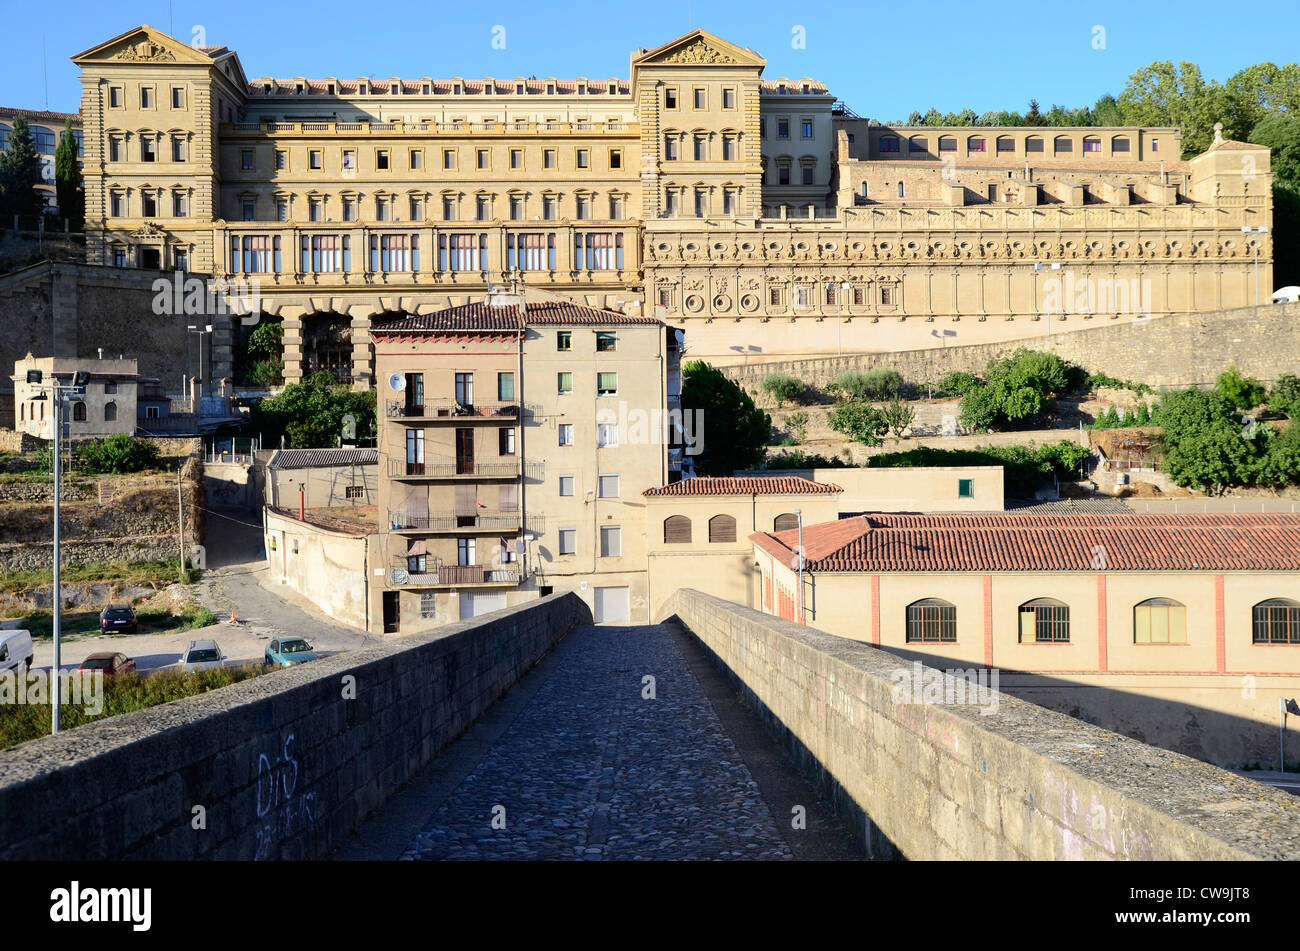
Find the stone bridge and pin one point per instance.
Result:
(719, 733)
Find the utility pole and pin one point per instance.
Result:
(55, 680)
(180, 509)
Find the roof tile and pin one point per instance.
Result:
(745, 485)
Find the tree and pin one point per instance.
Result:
(979, 408)
(1033, 116)
(1285, 396)
(117, 454)
(735, 430)
(1281, 133)
(797, 424)
(1244, 392)
(257, 361)
(783, 388)
(898, 415)
(1205, 444)
(310, 414)
(860, 422)
(68, 188)
(20, 173)
(958, 383)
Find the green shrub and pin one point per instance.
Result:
(860, 422)
(957, 383)
(1143, 416)
(878, 384)
(117, 454)
(898, 415)
(1285, 395)
(798, 459)
(783, 388)
(1244, 392)
(1096, 380)
(797, 424)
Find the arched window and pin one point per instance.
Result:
(1160, 621)
(1044, 621)
(1006, 144)
(1091, 143)
(1119, 143)
(1276, 621)
(947, 143)
(1063, 145)
(110, 412)
(722, 528)
(889, 143)
(918, 143)
(1034, 144)
(79, 412)
(677, 530)
(785, 522)
(931, 621)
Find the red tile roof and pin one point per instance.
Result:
(481, 317)
(1024, 542)
(745, 485)
(40, 115)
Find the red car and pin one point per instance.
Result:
(112, 664)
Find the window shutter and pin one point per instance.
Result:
(784, 523)
(722, 528)
(677, 530)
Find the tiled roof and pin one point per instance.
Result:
(745, 485)
(1070, 506)
(480, 317)
(310, 458)
(1025, 542)
(794, 87)
(39, 115)
(1232, 145)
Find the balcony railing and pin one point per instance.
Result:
(458, 576)
(467, 468)
(451, 409)
(479, 522)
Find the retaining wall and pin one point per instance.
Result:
(945, 781)
(282, 766)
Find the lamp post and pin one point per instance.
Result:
(845, 287)
(1056, 266)
(201, 331)
(1262, 229)
(58, 394)
(798, 514)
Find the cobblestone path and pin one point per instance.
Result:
(604, 764)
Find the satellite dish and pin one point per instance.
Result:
(397, 382)
(398, 576)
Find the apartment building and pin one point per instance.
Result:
(516, 435)
(754, 212)
(1183, 630)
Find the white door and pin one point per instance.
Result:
(611, 605)
(472, 605)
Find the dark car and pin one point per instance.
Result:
(112, 664)
(117, 619)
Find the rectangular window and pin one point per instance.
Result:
(606, 341)
(180, 149)
(516, 159)
(149, 205)
(597, 251)
(178, 97)
(806, 128)
(728, 98)
(530, 252)
(115, 97)
(566, 434)
(381, 160)
(506, 442)
(670, 148)
(116, 205)
(606, 383)
(325, 254)
(548, 158)
(568, 541)
(449, 159)
(584, 158)
(611, 541)
(382, 209)
(428, 605)
(483, 159)
(483, 208)
(965, 488)
(701, 98)
(246, 160)
(783, 128)
(1042, 623)
(465, 389)
(886, 295)
(566, 485)
(606, 435)
(564, 382)
(615, 158)
(354, 492)
(349, 206)
(180, 207)
(465, 550)
(417, 160)
(146, 97)
(314, 210)
(505, 387)
(148, 153)
(670, 97)
(416, 209)
(255, 254)
(564, 340)
(607, 486)
(315, 159)
(394, 252)
(976, 145)
(462, 252)
(449, 209)
(114, 148)
(1160, 623)
(1155, 145)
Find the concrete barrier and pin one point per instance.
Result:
(282, 766)
(946, 781)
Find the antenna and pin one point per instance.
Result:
(397, 382)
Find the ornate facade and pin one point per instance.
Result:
(757, 214)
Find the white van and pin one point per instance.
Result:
(15, 651)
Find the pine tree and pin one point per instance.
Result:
(67, 180)
(20, 172)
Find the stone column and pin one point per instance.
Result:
(292, 321)
(363, 350)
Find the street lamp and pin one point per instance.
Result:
(798, 514)
(1262, 229)
(1038, 266)
(58, 394)
(845, 287)
(201, 331)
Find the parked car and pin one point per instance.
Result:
(117, 619)
(111, 663)
(287, 651)
(201, 655)
(15, 651)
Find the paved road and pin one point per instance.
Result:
(237, 579)
(581, 762)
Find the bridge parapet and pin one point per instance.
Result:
(282, 766)
(991, 778)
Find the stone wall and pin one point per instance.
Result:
(946, 781)
(1180, 350)
(284, 766)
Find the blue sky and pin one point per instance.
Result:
(884, 60)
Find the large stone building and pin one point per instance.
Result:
(756, 213)
(47, 128)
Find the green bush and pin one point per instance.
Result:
(798, 459)
(117, 454)
(797, 424)
(957, 383)
(783, 388)
(898, 415)
(1244, 392)
(1285, 396)
(1143, 416)
(860, 422)
(1024, 468)
(878, 384)
(1096, 380)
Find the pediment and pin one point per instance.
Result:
(144, 44)
(699, 48)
